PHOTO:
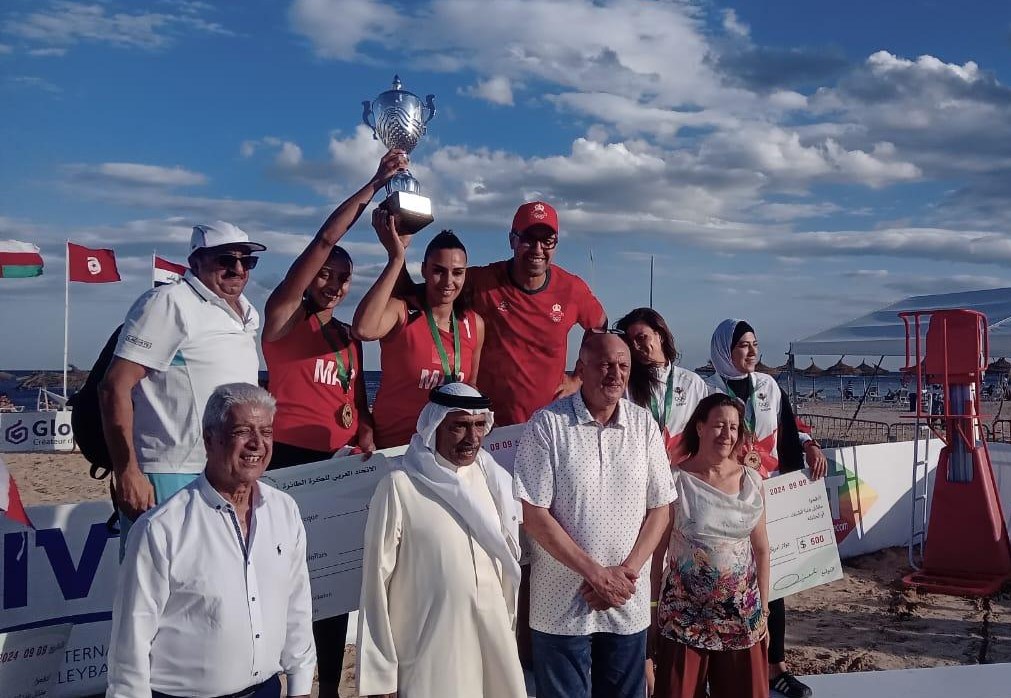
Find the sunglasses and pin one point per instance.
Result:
(606, 330)
(227, 261)
(548, 243)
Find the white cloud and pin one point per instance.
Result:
(130, 173)
(33, 81)
(497, 89)
(5, 48)
(64, 23)
(45, 52)
(734, 25)
(354, 22)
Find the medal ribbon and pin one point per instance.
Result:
(343, 373)
(437, 338)
(750, 411)
(668, 401)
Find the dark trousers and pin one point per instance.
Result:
(563, 665)
(777, 631)
(271, 688)
(330, 634)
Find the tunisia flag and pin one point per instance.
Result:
(91, 266)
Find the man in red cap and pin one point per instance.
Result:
(529, 305)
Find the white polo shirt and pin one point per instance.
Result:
(198, 612)
(192, 341)
(597, 481)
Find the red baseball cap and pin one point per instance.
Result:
(535, 213)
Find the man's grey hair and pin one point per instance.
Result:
(229, 396)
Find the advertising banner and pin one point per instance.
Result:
(63, 572)
(27, 432)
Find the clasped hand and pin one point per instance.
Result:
(611, 587)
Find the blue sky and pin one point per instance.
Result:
(794, 163)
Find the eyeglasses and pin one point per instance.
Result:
(548, 243)
(606, 330)
(227, 261)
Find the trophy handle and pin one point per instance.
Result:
(366, 113)
(430, 106)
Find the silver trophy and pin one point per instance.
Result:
(398, 120)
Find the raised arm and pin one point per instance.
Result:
(380, 311)
(284, 303)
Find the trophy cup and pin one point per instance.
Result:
(399, 121)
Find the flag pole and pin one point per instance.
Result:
(66, 318)
(154, 254)
(651, 281)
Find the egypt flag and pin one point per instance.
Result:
(91, 266)
(166, 272)
(19, 260)
(10, 500)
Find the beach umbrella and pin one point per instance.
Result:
(706, 370)
(841, 369)
(999, 366)
(812, 371)
(866, 369)
(762, 368)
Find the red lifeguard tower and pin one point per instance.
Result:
(965, 544)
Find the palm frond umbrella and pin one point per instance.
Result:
(866, 369)
(999, 367)
(762, 368)
(706, 370)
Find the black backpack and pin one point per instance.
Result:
(86, 417)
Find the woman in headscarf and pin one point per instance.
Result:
(668, 391)
(772, 445)
(713, 604)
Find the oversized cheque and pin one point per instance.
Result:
(802, 543)
(333, 498)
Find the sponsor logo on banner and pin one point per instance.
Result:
(16, 433)
(849, 498)
(63, 572)
(36, 431)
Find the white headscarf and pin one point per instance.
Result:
(721, 346)
(496, 532)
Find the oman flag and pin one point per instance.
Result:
(10, 500)
(91, 266)
(166, 272)
(19, 260)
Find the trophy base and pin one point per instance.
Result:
(413, 211)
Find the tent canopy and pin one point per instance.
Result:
(883, 333)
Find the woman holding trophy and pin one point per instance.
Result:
(320, 412)
(772, 444)
(427, 336)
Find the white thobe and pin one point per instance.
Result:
(433, 620)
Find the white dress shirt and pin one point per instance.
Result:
(192, 341)
(597, 481)
(200, 613)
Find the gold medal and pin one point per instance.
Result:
(753, 460)
(347, 416)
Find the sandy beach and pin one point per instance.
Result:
(865, 621)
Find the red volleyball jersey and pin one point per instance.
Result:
(526, 335)
(303, 378)
(411, 367)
